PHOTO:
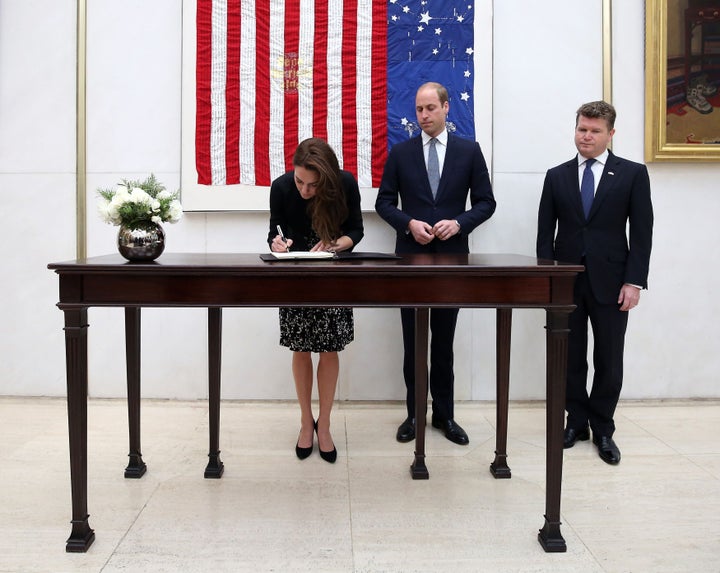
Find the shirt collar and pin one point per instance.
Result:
(441, 137)
(601, 159)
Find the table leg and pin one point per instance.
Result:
(136, 467)
(214, 467)
(418, 470)
(81, 536)
(556, 349)
(499, 467)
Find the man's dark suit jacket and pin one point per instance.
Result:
(405, 177)
(623, 195)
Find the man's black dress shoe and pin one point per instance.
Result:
(406, 431)
(572, 435)
(607, 449)
(453, 431)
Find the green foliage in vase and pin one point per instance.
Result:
(137, 204)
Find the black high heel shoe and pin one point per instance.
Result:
(330, 456)
(303, 453)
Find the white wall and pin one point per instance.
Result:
(544, 66)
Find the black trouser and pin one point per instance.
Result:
(609, 324)
(442, 377)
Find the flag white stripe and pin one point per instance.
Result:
(248, 42)
(305, 69)
(218, 74)
(277, 92)
(363, 111)
(334, 75)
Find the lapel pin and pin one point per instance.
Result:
(611, 173)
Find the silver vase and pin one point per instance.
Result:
(142, 243)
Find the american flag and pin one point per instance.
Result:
(270, 73)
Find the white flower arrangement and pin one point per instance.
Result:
(137, 204)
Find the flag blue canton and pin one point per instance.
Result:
(429, 41)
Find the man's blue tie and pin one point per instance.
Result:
(587, 187)
(433, 167)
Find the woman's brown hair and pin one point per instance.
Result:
(328, 208)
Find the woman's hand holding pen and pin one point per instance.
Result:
(280, 246)
(280, 243)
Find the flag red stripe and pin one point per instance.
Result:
(203, 110)
(349, 87)
(290, 88)
(379, 90)
(232, 95)
(262, 93)
(320, 77)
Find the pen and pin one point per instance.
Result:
(282, 236)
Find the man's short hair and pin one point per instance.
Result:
(439, 88)
(597, 109)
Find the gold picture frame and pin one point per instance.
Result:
(682, 80)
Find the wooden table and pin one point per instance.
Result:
(215, 281)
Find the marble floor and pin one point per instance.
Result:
(658, 511)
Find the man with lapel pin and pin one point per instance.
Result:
(586, 208)
(432, 175)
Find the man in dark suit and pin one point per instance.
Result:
(432, 175)
(589, 201)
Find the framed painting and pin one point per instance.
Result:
(682, 80)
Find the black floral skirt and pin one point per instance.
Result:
(305, 329)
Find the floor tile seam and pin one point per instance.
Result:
(666, 444)
(703, 469)
(350, 497)
(650, 434)
(704, 454)
(708, 402)
(565, 523)
(131, 525)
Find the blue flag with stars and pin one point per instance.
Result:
(429, 41)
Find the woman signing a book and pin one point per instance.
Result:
(315, 207)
